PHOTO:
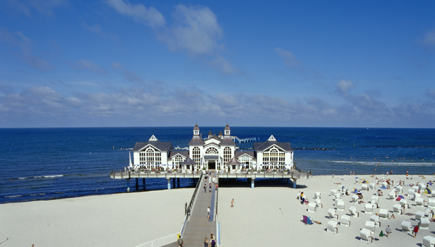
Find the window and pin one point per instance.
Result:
(227, 154)
(177, 159)
(212, 151)
(196, 155)
(274, 156)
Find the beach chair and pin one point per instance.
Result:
(419, 201)
(312, 207)
(404, 202)
(353, 212)
(317, 195)
(392, 194)
(424, 223)
(375, 219)
(354, 198)
(385, 184)
(372, 186)
(421, 187)
(345, 220)
(415, 187)
(411, 193)
(431, 203)
(416, 196)
(332, 227)
(368, 208)
(406, 226)
(365, 187)
(397, 208)
(419, 215)
(337, 196)
(371, 225)
(365, 236)
(333, 192)
(375, 200)
(340, 205)
(383, 213)
(318, 203)
(307, 220)
(428, 241)
(332, 213)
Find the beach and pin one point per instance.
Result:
(263, 216)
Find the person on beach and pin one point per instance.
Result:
(388, 230)
(212, 241)
(299, 195)
(209, 187)
(180, 241)
(232, 202)
(205, 188)
(205, 242)
(416, 228)
(208, 213)
(215, 185)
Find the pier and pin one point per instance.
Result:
(245, 140)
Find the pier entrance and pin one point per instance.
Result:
(211, 165)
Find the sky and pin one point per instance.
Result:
(110, 63)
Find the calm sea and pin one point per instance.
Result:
(50, 163)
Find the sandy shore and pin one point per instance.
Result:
(107, 220)
(272, 216)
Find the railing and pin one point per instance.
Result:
(147, 174)
(189, 208)
(216, 213)
(160, 241)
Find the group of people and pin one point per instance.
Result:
(303, 199)
(211, 242)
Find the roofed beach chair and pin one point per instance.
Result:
(399, 189)
(424, 223)
(404, 202)
(375, 200)
(312, 207)
(372, 186)
(353, 212)
(337, 196)
(333, 192)
(365, 187)
(345, 220)
(332, 213)
(406, 226)
(318, 203)
(419, 202)
(385, 184)
(340, 205)
(368, 208)
(397, 208)
(392, 194)
(421, 186)
(375, 219)
(354, 198)
(415, 187)
(431, 203)
(332, 227)
(383, 213)
(317, 195)
(365, 236)
(371, 225)
(419, 215)
(428, 241)
(416, 196)
(411, 193)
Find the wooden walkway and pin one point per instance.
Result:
(198, 227)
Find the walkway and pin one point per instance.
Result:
(198, 227)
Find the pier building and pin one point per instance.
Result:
(216, 152)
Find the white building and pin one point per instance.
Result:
(213, 152)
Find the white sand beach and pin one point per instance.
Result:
(106, 220)
(264, 216)
(272, 216)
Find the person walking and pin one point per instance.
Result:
(208, 213)
(232, 202)
(205, 242)
(388, 230)
(180, 241)
(416, 228)
(205, 188)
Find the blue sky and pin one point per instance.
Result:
(67, 63)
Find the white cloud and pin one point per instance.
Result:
(343, 87)
(89, 65)
(288, 57)
(140, 13)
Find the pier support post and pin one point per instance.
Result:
(294, 183)
(252, 183)
(169, 183)
(173, 183)
(178, 181)
(143, 183)
(137, 184)
(128, 185)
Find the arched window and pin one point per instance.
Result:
(196, 155)
(274, 156)
(227, 154)
(212, 151)
(178, 159)
(149, 154)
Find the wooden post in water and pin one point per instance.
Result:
(128, 185)
(137, 184)
(143, 183)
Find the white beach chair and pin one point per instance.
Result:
(332, 213)
(333, 192)
(375, 200)
(345, 220)
(312, 207)
(368, 208)
(353, 212)
(406, 226)
(431, 203)
(371, 225)
(385, 184)
(424, 223)
(397, 208)
(399, 189)
(332, 227)
(383, 213)
(354, 198)
(365, 236)
(337, 196)
(428, 241)
(415, 187)
(392, 194)
(375, 219)
(416, 196)
(317, 195)
(419, 215)
(411, 193)
(419, 201)
(365, 187)
(404, 202)
(421, 187)
(372, 186)
(318, 203)
(340, 205)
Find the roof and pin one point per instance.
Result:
(227, 127)
(234, 161)
(196, 127)
(259, 146)
(188, 161)
(196, 141)
(162, 146)
(227, 141)
(175, 152)
(240, 153)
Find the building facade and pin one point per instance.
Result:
(214, 152)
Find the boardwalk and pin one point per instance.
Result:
(198, 227)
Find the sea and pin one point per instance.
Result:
(54, 163)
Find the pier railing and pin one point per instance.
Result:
(160, 241)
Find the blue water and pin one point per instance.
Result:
(37, 164)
